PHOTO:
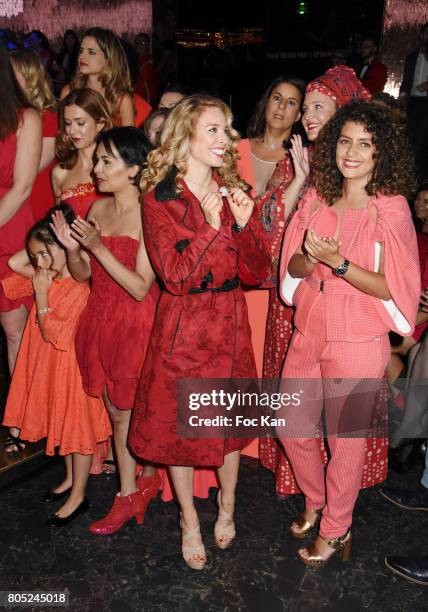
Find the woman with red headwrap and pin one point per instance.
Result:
(324, 96)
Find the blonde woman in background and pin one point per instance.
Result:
(35, 83)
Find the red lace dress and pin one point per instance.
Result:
(114, 330)
(279, 325)
(80, 198)
(12, 233)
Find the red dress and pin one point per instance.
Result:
(423, 262)
(12, 233)
(80, 198)
(42, 198)
(195, 335)
(114, 330)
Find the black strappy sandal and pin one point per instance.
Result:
(14, 441)
(107, 463)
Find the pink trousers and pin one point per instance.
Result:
(335, 489)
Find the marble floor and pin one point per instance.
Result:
(140, 567)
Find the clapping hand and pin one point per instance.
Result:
(88, 233)
(300, 158)
(63, 232)
(321, 248)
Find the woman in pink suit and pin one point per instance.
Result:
(350, 258)
(324, 96)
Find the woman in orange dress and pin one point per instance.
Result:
(35, 83)
(103, 67)
(83, 114)
(46, 397)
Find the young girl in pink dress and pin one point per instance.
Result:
(350, 266)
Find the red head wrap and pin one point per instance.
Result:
(341, 84)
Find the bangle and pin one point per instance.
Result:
(44, 310)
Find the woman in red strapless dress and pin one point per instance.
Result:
(82, 116)
(34, 82)
(20, 149)
(115, 327)
(104, 68)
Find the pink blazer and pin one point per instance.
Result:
(353, 315)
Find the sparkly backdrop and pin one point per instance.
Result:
(403, 19)
(53, 17)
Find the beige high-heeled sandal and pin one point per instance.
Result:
(224, 532)
(339, 546)
(194, 556)
(301, 525)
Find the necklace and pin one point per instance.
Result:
(271, 146)
(222, 190)
(203, 186)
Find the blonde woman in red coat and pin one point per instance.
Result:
(203, 236)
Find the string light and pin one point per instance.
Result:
(11, 8)
(302, 8)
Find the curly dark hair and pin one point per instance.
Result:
(394, 171)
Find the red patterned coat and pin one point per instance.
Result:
(198, 332)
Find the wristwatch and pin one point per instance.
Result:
(342, 269)
(238, 228)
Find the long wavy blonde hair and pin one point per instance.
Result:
(115, 77)
(38, 88)
(174, 144)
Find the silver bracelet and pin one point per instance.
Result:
(44, 310)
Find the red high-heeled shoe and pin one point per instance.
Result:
(127, 507)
